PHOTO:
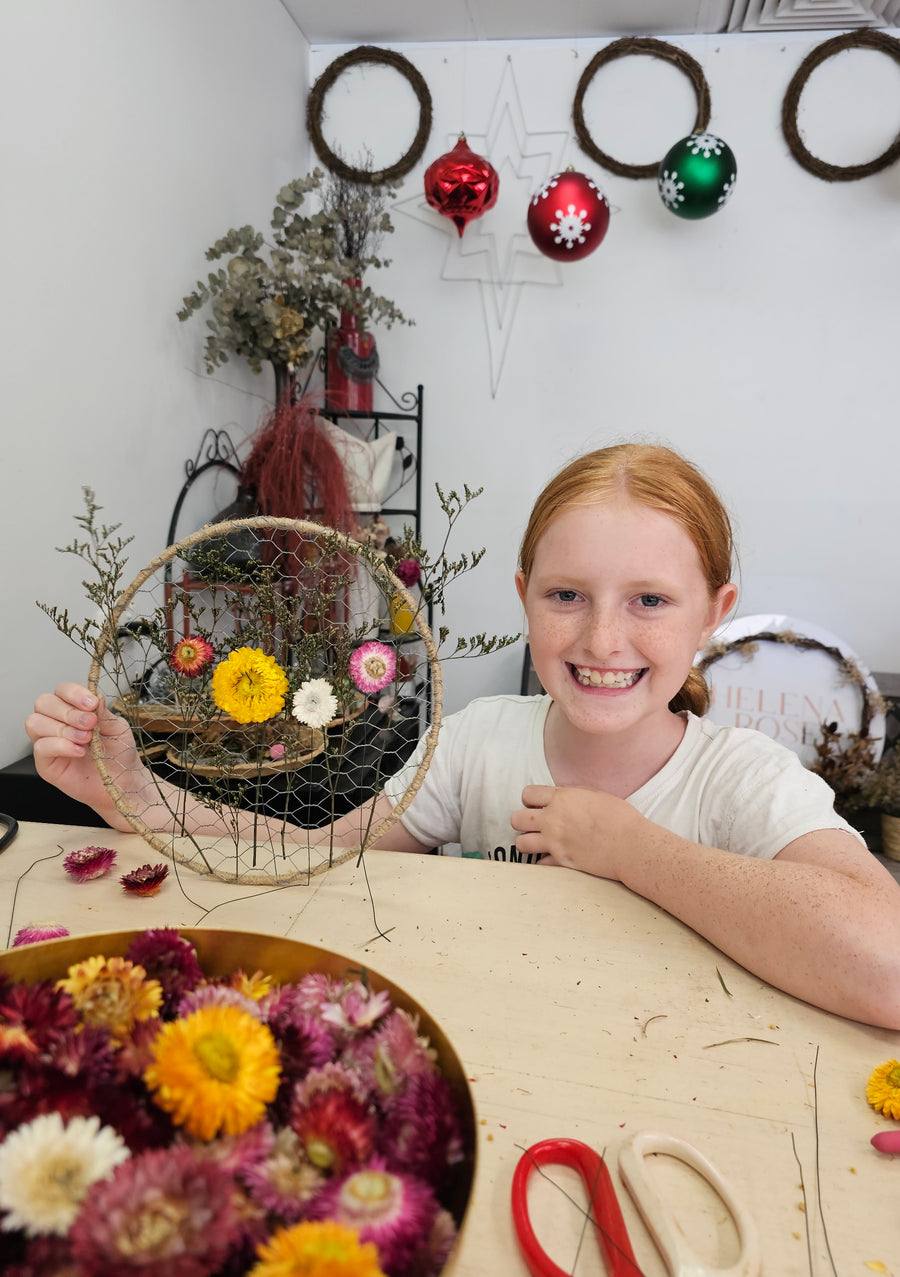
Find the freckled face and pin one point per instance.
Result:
(617, 607)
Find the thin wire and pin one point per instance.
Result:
(818, 1175)
(12, 907)
(805, 1207)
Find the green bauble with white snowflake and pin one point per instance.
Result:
(697, 176)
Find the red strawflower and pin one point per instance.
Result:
(40, 1009)
(89, 862)
(168, 1210)
(145, 881)
(408, 572)
(191, 655)
(335, 1130)
(171, 960)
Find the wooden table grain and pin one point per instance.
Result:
(578, 1009)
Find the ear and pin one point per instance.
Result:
(724, 600)
(521, 585)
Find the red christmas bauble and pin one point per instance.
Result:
(568, 216)
(461, 185)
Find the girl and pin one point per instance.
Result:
(624, 574)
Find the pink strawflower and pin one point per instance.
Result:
(217, 995)
(169, 958)
(168, 1210)
(145, 881)
(330, 1077)
(392, 1055)
(408, 572)
(191, 655)
(276, 751)
(430, 1259)
(357, 1009)
(372, 666)
(89, 862)
(420, 1133)
(396, 1212)
(285, 1180)
(38, 931)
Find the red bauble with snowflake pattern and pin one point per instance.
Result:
(568, 217)
(461, 185)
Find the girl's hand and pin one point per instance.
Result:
(60, 729)
(579, 828)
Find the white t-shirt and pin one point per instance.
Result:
(726, 787)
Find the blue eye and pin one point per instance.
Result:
(650, 600)
(566, 596)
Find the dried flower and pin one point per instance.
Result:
(145, 881)
(35, 932)
(316, 1249)
(166, 1209)
(335, 1129)
(372, 666)
(249, 685)
(47, 1167)
(315, 703)
(89, 862)
(214, 1071)
(408, 572)
(394, 1211)
(111, 993)
(192, 655)
(883, 1089)
(169, 958)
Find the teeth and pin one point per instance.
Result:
(606, 678)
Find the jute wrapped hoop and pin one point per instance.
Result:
(819, 168)
(623, 49)
(292, 868)
(367, 53)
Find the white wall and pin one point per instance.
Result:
(761, 342)
(133, 137)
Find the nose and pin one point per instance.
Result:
(603, 634)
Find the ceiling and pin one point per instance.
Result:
(423, 21)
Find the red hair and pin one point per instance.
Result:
(659, 479)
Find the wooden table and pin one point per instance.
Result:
(578, 1009)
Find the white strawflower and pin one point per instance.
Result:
(315, 704)
(47, 1167)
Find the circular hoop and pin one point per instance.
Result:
(108, 639)
(623, 49)
(368, 53)
(819, 168)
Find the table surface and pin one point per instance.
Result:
(578, 1009)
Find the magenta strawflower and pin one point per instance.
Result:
(145, 881)
(408, 572)
(372, 666)
(168, 1210)
(285, 1180)
(394, 1211)
(392, 1055)
(89, 862)
(35, 932)
(420, 1133)
(171, 960)
(357, 1009)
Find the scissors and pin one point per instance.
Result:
(9, 827)
(606, 1214)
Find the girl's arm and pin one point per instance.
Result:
(60, 729)
(821, 921)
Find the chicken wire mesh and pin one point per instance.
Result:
(268, 696)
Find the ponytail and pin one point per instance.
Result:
(694, 695)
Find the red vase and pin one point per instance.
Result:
(351, 365)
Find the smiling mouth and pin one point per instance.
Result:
(588, 677)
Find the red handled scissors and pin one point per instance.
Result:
(606, 1214)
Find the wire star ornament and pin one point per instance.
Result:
(498, 253)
